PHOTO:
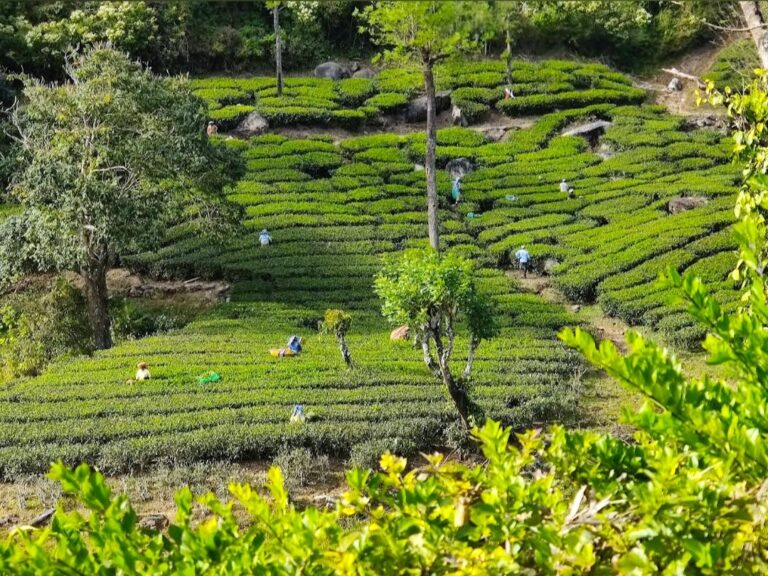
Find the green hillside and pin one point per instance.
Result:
(333, 209)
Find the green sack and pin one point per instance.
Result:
(209, 378)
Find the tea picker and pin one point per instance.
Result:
(298, 416)
(523, 257)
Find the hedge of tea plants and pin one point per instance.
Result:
(333, 210)
(476, 87)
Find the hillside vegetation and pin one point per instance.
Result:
(333, 209)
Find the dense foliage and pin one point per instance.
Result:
(211, 36)
(39, 325)
(333, 209)
(431, 294)
(105, 163)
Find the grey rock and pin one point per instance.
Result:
(365, 73)
(253, 125)
(675, 85)
(418, 167)
(549, 265)
(457, 117)
(598, 126)
(154, 522)
(459, 167)
(332, 70)
(683, 203)
(575, 308)
(417, 108)
(43, 518)
(495, 134)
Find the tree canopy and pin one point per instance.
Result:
(105, 162)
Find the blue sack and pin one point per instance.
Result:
(294, 343)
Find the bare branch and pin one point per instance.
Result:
(676, 72)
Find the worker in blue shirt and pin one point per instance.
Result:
(523, 257)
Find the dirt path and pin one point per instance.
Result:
(696, 63)
(604, 327)
(603, 398)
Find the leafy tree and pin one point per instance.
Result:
(431, 294)
(425, 31)
(508, 18)
(106, 162)
(337, 322)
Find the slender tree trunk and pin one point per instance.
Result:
(345, 351)
(429, 164)
(509, 55)
(754, 19)
(95, 279)
(473, 344)
(278, 50)
(429, 360)
(456, 389)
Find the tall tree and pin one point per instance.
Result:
(432, 294)
(106, 162)
(276, 6)
(755, 20)
(507, 19)
(425, 31)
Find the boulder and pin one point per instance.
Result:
(253, 125)
(400, 333)
(549, 266)
(683, 203)
(457, 117)
(575, 308)
(675, 85)
(459, 167)
(332, 70)
(364, 73)
(154, 522)
(418, 167)
(43, 519)
(589, 129)
(417, 108)
(495, 134)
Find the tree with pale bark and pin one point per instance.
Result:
(433, 295)
(425, 32)
(106, 162)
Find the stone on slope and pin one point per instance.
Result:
(332, 70)
(683, 203)
(253, 125)
(459, 167)
(417, 108)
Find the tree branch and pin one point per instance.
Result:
(676, 72)
(729, 29)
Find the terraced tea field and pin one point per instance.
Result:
(333, 209)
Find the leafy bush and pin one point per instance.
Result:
(38, 327)
(387, 102)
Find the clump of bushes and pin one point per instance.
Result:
(38, 326)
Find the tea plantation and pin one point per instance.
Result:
(333, 209)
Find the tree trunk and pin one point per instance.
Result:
(96, 296)
(345, 355)
(456, 389)
(754, 19)
(429, 164)
(458, 393)
(473, 344)
(509, 55)
(428, 359)
(278, 49)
